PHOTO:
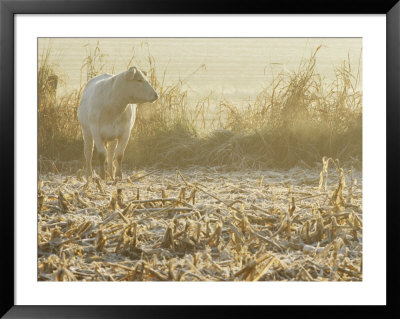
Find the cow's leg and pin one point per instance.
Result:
(101, 148)
(88, 150)
(119, 153)
(111, 145)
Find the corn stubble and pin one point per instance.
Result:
(202, 224)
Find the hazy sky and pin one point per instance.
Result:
(237, 67)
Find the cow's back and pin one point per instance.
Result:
(88, 98)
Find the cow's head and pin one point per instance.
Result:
(137, 87)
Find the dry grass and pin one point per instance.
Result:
(59, 132)
(296, 120)
(202, 224)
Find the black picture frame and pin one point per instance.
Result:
(8, 9)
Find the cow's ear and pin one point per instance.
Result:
(131, 73)
(145, 73)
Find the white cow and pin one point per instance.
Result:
(107, 112)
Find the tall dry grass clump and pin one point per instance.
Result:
(296, 119)
(59, 134)
(299, 118)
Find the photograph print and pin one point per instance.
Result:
(199, 159)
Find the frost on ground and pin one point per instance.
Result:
(202, 224)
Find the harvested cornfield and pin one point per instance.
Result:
(202, 224)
